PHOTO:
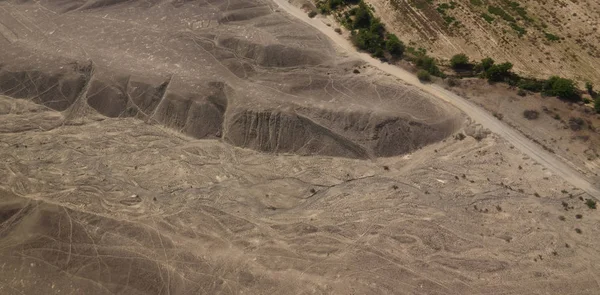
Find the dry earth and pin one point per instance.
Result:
(120, 206)
(575, 55)
(225, 147)
(568, 130)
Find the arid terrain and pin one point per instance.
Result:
(559, 37)
(230, 147)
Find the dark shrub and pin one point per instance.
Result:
(561, 87)
(424, 75)
(394, 45)
(531, 114)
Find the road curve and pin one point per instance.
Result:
(533, 150)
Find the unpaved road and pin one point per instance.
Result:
(481, 116)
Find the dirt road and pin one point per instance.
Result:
(548, 160)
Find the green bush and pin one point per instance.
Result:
(312, 14)
(460, 61)
(428, 64)
(424, 75)
(561, 87)
(498, 73)
(365, 40)
(362, 16)
(597, 105)
(485, 64)
(394, 45)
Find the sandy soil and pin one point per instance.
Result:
(568, 130)
(226, 147)
(120, 206)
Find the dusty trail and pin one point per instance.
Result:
(481, 116)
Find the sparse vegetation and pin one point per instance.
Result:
(312, 14)
(520, 30)
(488, 18)
(501, 13)
(578, 216)
(577, 230)
(452, 82)
(562, 218)
(442, 9)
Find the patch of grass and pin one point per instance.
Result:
(551, 37)
(520, 30)
(516, 7)
(501, 13)
(488, 18)
(476, 2)
(442, 10)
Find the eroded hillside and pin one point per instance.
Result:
(236, 70)
(541, 38)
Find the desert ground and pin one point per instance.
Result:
(228, 147)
